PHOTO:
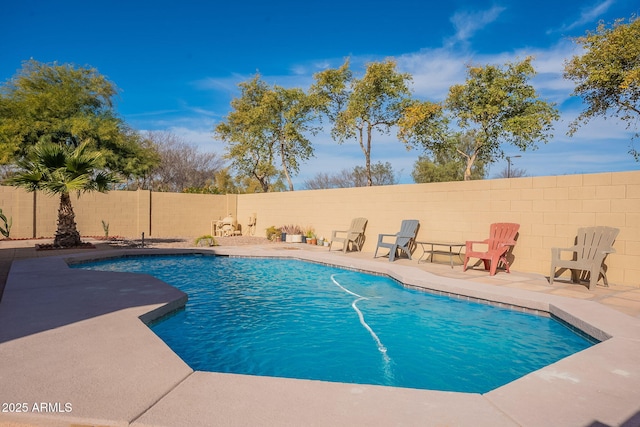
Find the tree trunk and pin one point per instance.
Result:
(67, 234)
(369, 179)
(467, 171)
(283, 159)
(367, 152)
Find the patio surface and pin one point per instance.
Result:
(73, 351)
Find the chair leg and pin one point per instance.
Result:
(594, 275)
(506, 263)
(553, 274)
(575, 276)
(604, 277)
(492, 267)
(464, 266)
(488, 265)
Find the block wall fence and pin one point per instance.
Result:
(549, 210)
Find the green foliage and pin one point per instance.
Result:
(498, 106)
(360, 107)
(423, 123)
(207, 240)
(65, 105)
(273, 233)
(309, 232)
(448, 163)
(206, 189)
(607, 75)
(268, 125)
(381, 174)
(6, 230)
(105, 228)
(59, 170)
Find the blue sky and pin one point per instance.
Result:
(178, 64)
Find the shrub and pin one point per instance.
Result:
(207, 239)
(6, 230)
(273, 233)
(291, 229)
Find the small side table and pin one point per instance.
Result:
(439, 248)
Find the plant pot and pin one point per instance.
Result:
(313, 241)
(296, 238)
(283, 237)
(304, 239)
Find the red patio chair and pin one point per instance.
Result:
(501, 237)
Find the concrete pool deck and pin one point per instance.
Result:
(73, 351)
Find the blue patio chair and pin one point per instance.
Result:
(403, 240)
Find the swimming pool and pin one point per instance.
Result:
(296, 319)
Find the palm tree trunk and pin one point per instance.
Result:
(67, 234)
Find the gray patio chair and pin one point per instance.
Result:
(354, 235)
(403, 240)
(593, 244)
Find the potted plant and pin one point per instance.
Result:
(292, 232)
(273, 233)
(308, 235)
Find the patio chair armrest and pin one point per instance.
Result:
(555, 252)
(469, 243)
(335, 232)
(381, 236)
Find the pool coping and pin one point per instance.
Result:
(72, 336)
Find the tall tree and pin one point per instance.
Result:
(268, 123)
(499, 106)
(247, 148)
(182, 165)
(60, 169)
(360, 107)
(381, 174)
(292, 115)
(607, 75)
(66, 105)
(448, 163)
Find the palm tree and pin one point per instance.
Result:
(61, 169)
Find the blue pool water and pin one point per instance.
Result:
(290, 318)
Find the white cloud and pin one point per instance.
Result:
(587, 15)
(434, 71)
(467, 23)
(599, 146)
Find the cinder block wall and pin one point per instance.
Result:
(177, 214)
(549, 210)
(128, 213)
